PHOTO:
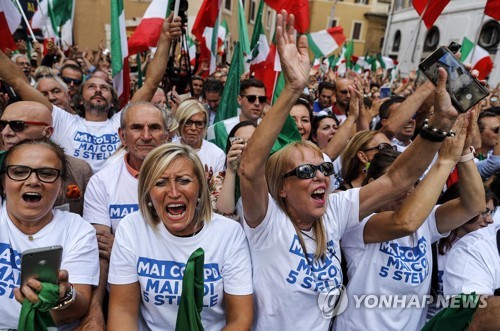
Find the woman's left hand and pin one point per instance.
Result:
(32, 287)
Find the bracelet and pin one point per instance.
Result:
(434, 134)
(467, 157)
(68, 299)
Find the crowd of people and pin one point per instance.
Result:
(171, 220)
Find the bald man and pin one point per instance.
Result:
(31, 120)
(342, 97)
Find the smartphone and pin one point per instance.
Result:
(42, 263)
(465, 91)
(385, 92)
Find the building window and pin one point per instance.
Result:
(228, 4)
(356, 30)
(253, 11)
(490, 36)
(398, 4)
(431, 40)
(332, 22)
(361, 2)
(396, 43)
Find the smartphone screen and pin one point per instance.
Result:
(43, 263)
(385, 92)
(465, 91)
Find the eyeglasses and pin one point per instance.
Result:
(307, 171)
(197, 124)
(20, 173)
(252, 98)
(487, 212)
(68, 80)
(19, 126)
(382, 147)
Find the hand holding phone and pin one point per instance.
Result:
(41, 263)
(465, 91)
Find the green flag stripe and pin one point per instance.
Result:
(221, 135)
(312, 46)
(116, 49)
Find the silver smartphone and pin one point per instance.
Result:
(41, 263)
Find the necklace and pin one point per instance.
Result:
(30, 237)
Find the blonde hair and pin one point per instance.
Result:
(188, 108)
(351, 165)
(155, 164)
(280, 163)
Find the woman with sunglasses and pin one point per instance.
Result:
(292, 224)
(357, 155)
(192, 118)
(32, 175)
(402, 267)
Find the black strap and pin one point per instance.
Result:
(434, 275)
(497, 291)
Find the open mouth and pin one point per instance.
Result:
(32, 197)
(318, 194)
(176, 211)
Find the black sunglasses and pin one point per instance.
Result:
(20, 172)
(382, 147)
(68, 80)
(307, 171)
(252, 98)
(19, 126)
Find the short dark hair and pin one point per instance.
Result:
(195, 77)
(251, 82)
(384, 107)
(483, 115)
(316, 120)
(380, 163)
(233, 132)
(72, 67)
(212, 85)
(325, 85)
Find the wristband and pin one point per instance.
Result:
(68, 299)
(434, 134)
(467, 157)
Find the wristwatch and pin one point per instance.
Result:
(68, 299)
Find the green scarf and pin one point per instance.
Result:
(36, 317)
(189, 314)
(457, 316)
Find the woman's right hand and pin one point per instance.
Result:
(234, 155)
(452, 147)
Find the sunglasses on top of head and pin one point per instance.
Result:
(382, 147)
(308, 171)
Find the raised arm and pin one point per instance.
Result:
(346, 130)
(471, 202)
(410, 165)
(171, 30)
(295, 65)
(415, 209)
(11, 73)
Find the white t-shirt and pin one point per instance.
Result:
(90, 141)
(111, 195)
(80, 256)
(473, 264)
(212, 156)
(156, 259)
(286, 285)
(398, 267)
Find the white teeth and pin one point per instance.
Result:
(319, 191)
(33, 194)
(173, 205)
(176, 216)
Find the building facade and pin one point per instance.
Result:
(410, 42)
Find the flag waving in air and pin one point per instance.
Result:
(478, 57)
(148, 31)
(323, 43)
(205, 29)
(492, 9)
(10, 18)
(299, 8)
(429, 10)
(55, 19)
(119, 50)
(259, 45)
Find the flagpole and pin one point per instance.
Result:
(478, 33)
(419, 23)
(26, 20)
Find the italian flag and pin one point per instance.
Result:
(258, 45)
(148, 31)
(205, 29)
(119, 51)
(10, 18)
(243, 29)
(299, 8)
(324, 42)
(55, 19)
(480, 60)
